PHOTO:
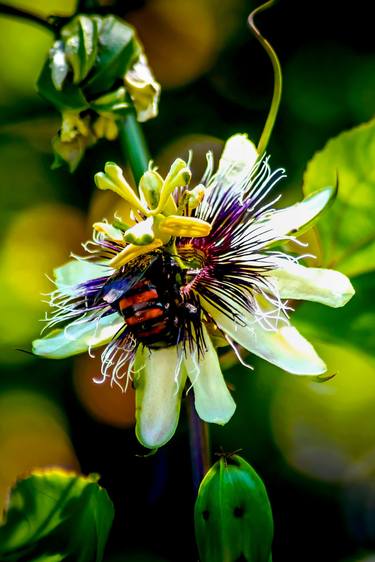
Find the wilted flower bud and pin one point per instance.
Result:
(233, 517)
(97, 71)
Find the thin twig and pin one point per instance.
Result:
(7, 10)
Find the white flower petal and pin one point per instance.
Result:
(237, 160)
(299, 217)
(213, 400)
(78, 271)
(284, 347)
(78, 338)
(326, 286)
(159, 384)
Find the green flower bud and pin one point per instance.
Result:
(97, 68)
(233, 517)
(74, 137)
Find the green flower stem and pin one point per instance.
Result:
(7, 10)
(199, 443)
(278, 79)
(134, 145)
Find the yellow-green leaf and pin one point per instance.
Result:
(56, 515)
(347, 230)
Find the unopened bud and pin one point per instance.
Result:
(233, 517)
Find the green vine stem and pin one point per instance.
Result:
(199, 443)
(278, 80)
(133, 145)
(12, 11)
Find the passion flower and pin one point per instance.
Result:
(187, 270)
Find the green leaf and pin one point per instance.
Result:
(119, 48)
(70, 97)
(81, 45)
(55, 515)
(233, 518)
(347, 230)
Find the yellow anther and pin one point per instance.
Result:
(113, 179)
(175, 170)
(131, 252)
(179, 175)
(195, 196)
(176, 225)
(142, 233)
(109, 231)
(150, 187)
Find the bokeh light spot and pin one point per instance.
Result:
(105, 403)
(33, 434)
(322, 428)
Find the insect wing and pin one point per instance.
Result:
(117, 288)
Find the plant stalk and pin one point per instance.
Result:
(133, 145)
(12, 11)
(199, 443)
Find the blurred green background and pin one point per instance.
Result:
(312, 443)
